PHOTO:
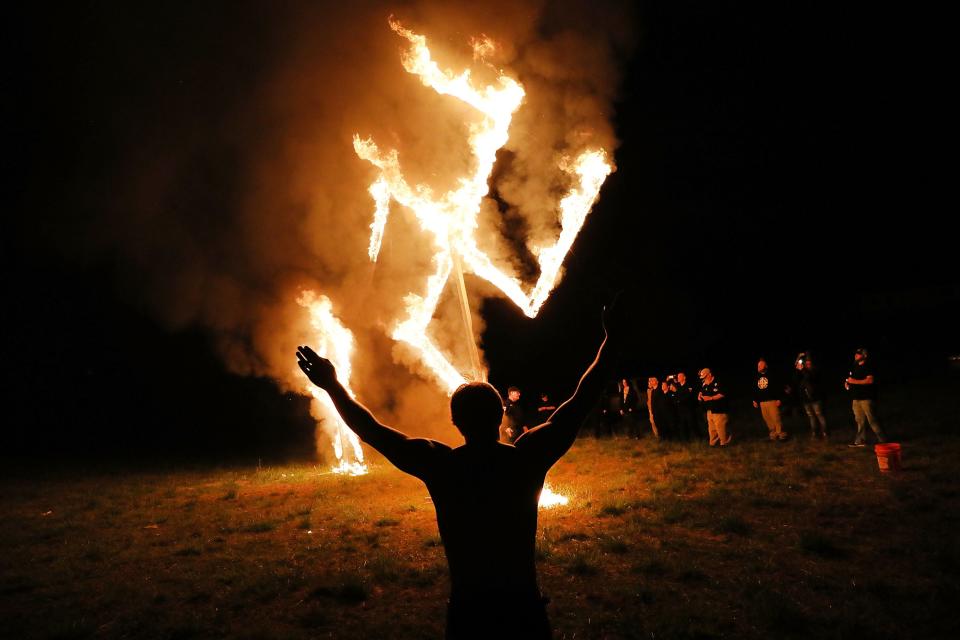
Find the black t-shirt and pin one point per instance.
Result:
(662, 407)
(686, 397)
(860, 371)
(628, 399)
(764, 389)
(544, 410)
(715, 406)
(516, 420)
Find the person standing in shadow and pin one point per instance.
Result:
(484, 492)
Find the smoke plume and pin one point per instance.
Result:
(234, 185)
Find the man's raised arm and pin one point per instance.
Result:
(408, 454)
(555, 437)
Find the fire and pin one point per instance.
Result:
(451, 217)
(550, 499)
(334, 342)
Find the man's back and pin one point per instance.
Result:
(485, 494)
(486, 498)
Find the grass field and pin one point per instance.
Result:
(803, 539)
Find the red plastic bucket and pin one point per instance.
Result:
(888, 457)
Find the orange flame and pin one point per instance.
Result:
(334, 342)
(451, 217)
(549, 498)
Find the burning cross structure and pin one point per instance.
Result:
(451, 217)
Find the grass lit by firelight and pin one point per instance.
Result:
(659, 540)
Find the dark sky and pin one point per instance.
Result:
(770, 197)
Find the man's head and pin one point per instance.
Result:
(682, 378)
(476, 410)
(761, 365)
(705, 375)
(860, 354)
(652, 382)
(513, 393)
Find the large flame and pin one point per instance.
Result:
(549, 498)
(451, 217)
(334, 342)
(451, 220)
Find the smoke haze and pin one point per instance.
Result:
(231, 184)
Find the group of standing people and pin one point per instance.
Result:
(809, 391)
(676, 409)
(516, 421)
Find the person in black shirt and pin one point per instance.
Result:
(611, 410)
(484, 492)
(718, 412)
(862, 387)
(664, 410)
(766, 397)
(514, 422)
(545, 408)
(810, 392)
(686, 399)
(628, 408)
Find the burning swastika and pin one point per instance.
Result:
(451, 220)
(451, 217)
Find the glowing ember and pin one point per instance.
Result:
(451, 218)
(550, 499)
(334, 342)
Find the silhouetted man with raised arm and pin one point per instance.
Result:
(484, 492)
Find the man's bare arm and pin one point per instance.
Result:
(408, 454)
(555, 437)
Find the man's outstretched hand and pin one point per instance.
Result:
(320, 370)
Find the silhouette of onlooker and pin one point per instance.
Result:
(628, 408)
(663, 411)
(810, 391)
(484, 492)
(688, 426)
(610, 410)
(717, 405)
(862, 387)
(545, 408)
(766, 397)
(514, 421)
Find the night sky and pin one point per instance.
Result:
(769, 198)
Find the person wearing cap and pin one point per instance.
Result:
(811, 395)
(863, 392)
(766, 397)
(718, 413)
